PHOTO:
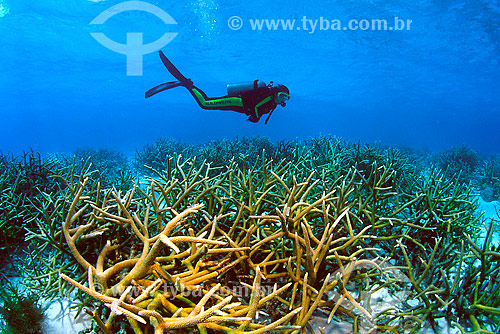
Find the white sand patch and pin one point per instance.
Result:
(60, 319)
(490, 210)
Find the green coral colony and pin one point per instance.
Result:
(246, 236)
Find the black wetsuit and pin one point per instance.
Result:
(253, 103)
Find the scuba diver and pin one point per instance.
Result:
(253, 99)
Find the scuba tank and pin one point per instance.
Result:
(239, 88)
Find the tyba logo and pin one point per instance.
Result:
(134, 49)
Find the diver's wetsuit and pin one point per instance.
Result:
(253, 103)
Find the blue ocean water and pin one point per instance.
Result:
(435, 85)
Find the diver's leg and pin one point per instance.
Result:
(216, 103)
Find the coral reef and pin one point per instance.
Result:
(490, 179)
(114, 168)
(24, 181)
(261, 247)
(459, 161)
(247, 236)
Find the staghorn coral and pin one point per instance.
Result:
(24, 181)
(113, 166)
(18, 308)
(459, 161)
(283, 239)
(489, 178)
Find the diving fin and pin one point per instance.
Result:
(162, 87)
(173, 70)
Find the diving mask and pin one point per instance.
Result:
(283, 97)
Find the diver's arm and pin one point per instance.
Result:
(258, 113)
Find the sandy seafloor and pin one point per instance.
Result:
(61, 319)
